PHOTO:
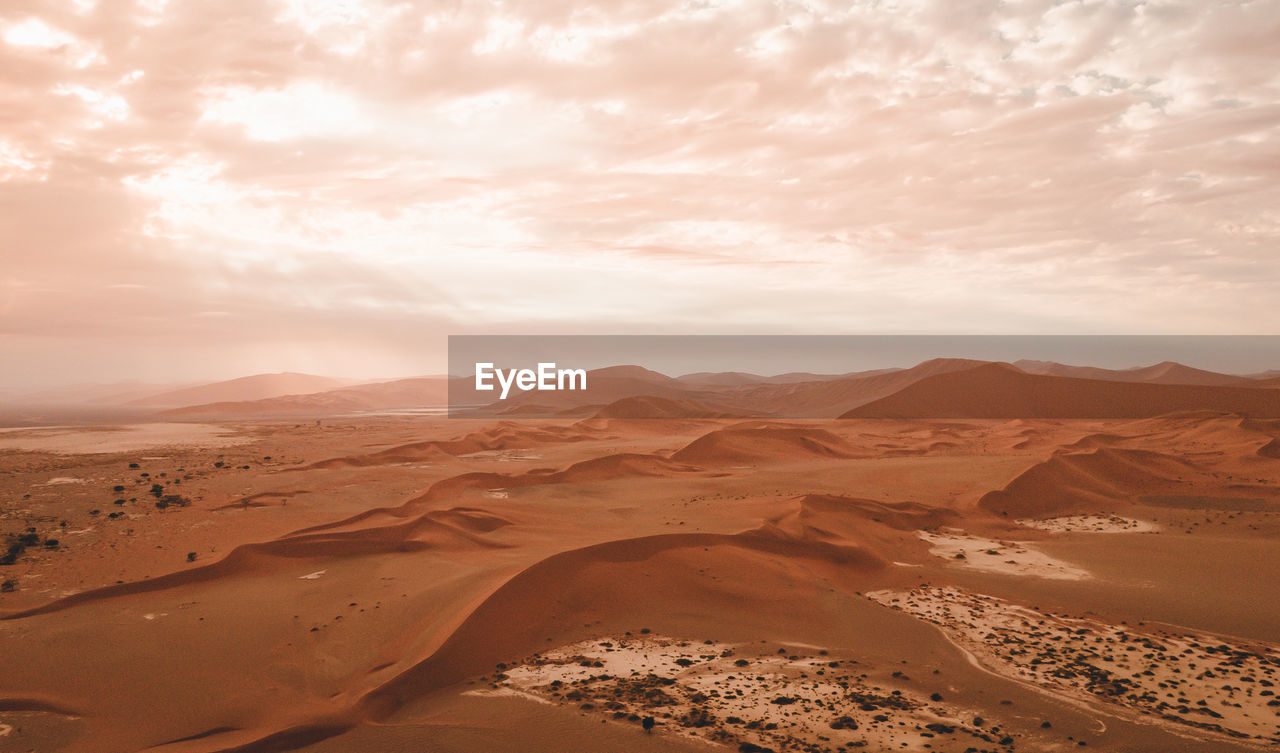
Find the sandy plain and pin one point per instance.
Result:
(414, 583)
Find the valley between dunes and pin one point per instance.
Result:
(400, 583)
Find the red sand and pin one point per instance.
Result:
(350, 583)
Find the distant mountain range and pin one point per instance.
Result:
(256, 387)
(937, 388)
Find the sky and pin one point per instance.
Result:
(194, 190)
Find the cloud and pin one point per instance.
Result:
(329, 175)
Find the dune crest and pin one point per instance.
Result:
(1000, 390)
(751, 443)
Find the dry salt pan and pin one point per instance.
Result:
(1212, 686)
(1091, 524)
(1004, 557)
(733, 694)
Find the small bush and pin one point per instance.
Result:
(173, 500)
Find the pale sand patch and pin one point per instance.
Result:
(312, 576)
(124, 438)
(59, 480)
(1091, 524)
(720, 692)
(1209, 685)
(1005, 557)
(502, 456)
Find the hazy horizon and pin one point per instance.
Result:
(770, 356)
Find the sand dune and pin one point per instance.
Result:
(1090, 482)
(400, 393)
(1165, 372)
(604, 386)
(256, 387)
(648, 406)
(847, 517)
(750, 443)
(592, 583)
(829, 397)
(503, 436)
(1002, 391)
(739, 379)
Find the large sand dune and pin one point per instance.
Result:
(1003, 391)
(257, 387)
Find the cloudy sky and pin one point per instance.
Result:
(207, 189)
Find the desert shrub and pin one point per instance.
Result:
(173, 500)
(8, 586)
(13, 551)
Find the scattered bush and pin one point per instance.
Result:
(172, 500)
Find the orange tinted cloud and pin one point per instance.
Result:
(208, 189)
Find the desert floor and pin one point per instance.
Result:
(423, 584)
